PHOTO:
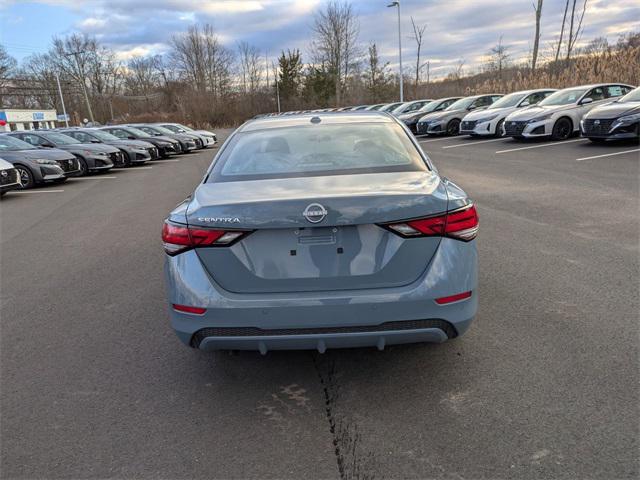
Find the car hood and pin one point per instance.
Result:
(164, 138)
(405, 117)
(535, 111)
(131, 143)
(92, 147)
(204, 132)
(477, 114)
(36, 153)
(614, 110)
(439, 116)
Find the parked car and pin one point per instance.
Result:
(360, 107)
(209, 139)
(410, 107)
(558, 116)
(375, 107)
(166, 146)
(187, 142)
(619, 119)
(390, 107)
(37, 166)
(305, 219)
(448, 121)
(9, 177)
(491, 121)
(418, 121)
(134, 152)
(92, 157)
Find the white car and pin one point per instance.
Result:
(558, 116)
(9, 177)
(209, 139)
(490, 121)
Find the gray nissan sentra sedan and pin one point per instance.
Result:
(321, 231)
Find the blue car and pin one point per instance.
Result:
(317, 231)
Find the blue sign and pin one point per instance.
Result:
(62, 118)
(38, 116)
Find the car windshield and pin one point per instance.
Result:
(163, 130)
(59, 138)
(303, 151)
(632, 96)
(8, 143)
(391, 107)
(563, 97)
(431, 106)
(173, 128)
(188, 129)
(377, 107)
(102, 135)
(461, 104)
(510, 100)
(137, 132)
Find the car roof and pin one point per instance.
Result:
(594, 85)
(329, 118)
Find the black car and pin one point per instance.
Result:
(134, 152)
(92, 157)
(616, 120)
(9, 177)
(187, 142)
(37, 166)
(166, 146)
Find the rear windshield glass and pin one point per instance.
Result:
(317, 150)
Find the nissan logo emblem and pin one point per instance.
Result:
(597, 122)
(314, 213)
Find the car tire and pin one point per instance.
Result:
(598, 140)
(562, 129)
(500, 130)
(84, 169)
(453, 127)
(26, 177)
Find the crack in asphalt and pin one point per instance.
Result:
(351, 462)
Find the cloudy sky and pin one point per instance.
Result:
(456, 29)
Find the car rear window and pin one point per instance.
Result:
(317, 150)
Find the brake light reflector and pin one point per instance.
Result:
(188, 309)
(453, 298)
(178, 238)
(461, 224)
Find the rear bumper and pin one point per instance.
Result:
(320, 320)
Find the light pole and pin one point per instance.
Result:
(64, 110)
(397, 4)
(84, 86)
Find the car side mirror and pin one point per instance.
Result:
(95, 141)
(48, 145)
(472, 107)
(131, 137)
(525, 103)
(586, 101)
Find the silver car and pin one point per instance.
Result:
(558, 116)
(321, 231)
(448, 121)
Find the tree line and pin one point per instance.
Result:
(204, 82)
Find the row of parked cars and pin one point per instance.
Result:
(36, 157)
(600, 112)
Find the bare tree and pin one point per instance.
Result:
(536, 40)
(7, 67)
(575, 35)
(499, 58)
(418, 33)
(250, 67)
(336, 31)
(564, 21)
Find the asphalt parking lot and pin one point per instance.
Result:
(544, 385)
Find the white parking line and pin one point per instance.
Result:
(133, 169)
(554, 144)
(169, 161)
(19, 192)
(470, 143)
(437, 139)
(607, 155)
(101, 177)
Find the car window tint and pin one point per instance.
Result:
(318, 150)
(482, 102)
(118, 133)
(615, 91)
(596, 94)
(32, 139)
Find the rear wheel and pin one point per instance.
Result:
(500, 129)
(598, 140)
(26, 177)
(562, 129)
(453, 127)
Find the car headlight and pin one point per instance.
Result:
(540, 118)
(629, 118)
(43, 161)
(487, 119)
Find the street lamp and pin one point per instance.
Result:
(397, 4)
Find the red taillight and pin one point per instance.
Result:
(188, 309)
(461, 224)
(453, 298)
(178, 238)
